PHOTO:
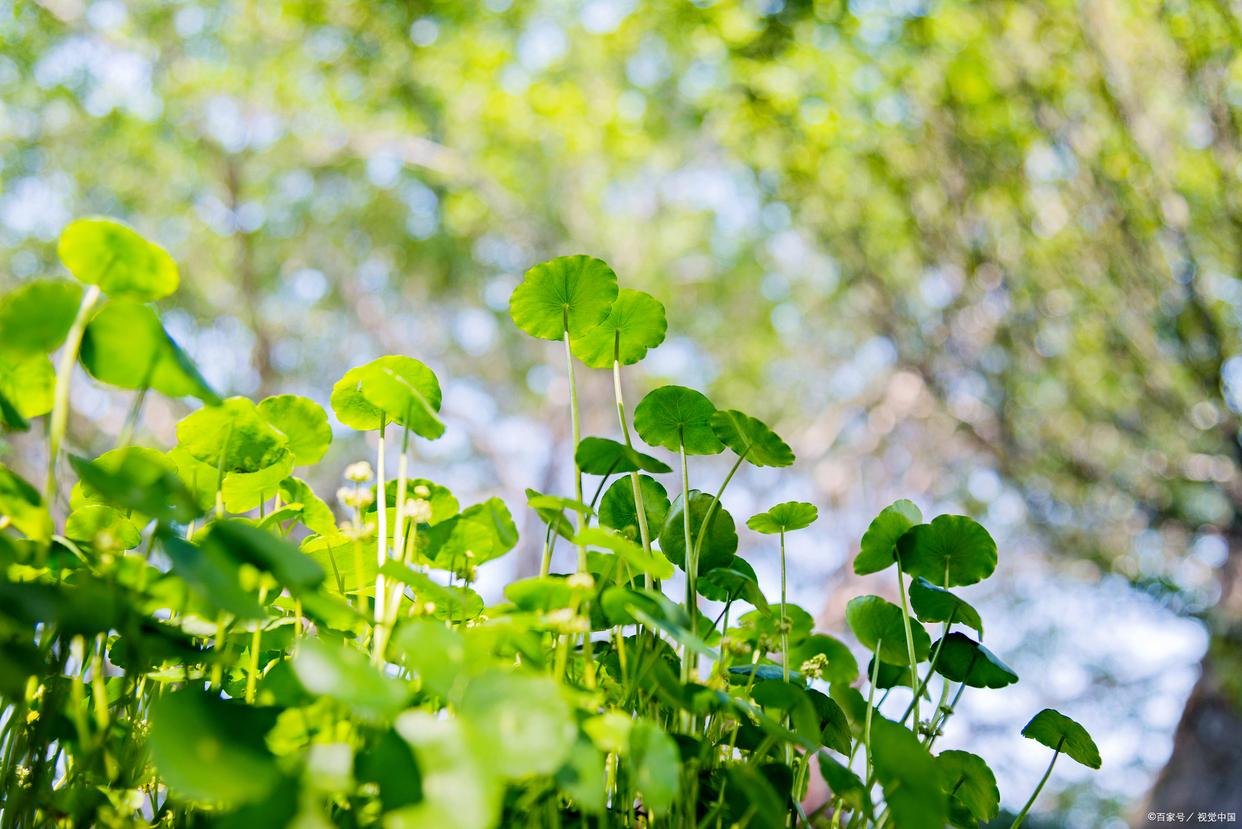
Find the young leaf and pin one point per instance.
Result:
(877, 622)
(36, 316)
(719, 542)
(750, 438)
(935, 604)
(126, 346)
(786, 517)
(232, 436)
(395, 389)
(1060, 733)
(970, 784)
(951, 551)
(27, 385)
(618, 510)
(736, 580)
(211, 749)
(671, 415)
(106, 253)
(962, 659)
(878, 549)
(303, 422)
(601, 456)
(653, 564)
(569, 293)
(634, 325)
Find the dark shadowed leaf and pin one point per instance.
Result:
(671, 415)
(1060, 733)
(909, 777)
(656, 763)
(970, 784)
(962, 659)
(719, 542)
(271, 553)
(879, 543)
(617, 508)
(634, 325)
(935, 604)
(951, 551)
(569, 293)
(736, 580)
(843, 783)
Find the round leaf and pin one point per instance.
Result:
(522, 723)
(719, 543)
(671, 415)
(569, 293)
(879, 542)
(303, 422)
(35, 317)
(970, 783)
(750, 438)
(962, 659)
(109, 254)
(635, 324)
(909, 777)
(786, 517)
(124, 345)
(952, 550)
(232, 435)
(736, 580)
(102, 526)
(28, 384)
(935, 604)
(878, 623)
(601, 456)
(618, 510)
(1060, 733)
(842, 667)
(395, 389)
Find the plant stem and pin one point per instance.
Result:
(784, 632)
(60, 396)
(905, 620)
(576, 431)
(1022, 815)
(875, 676)
(692, 566)
(256, 639)
(640, 507)
(381, 541)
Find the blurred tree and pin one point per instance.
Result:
(1006, 228)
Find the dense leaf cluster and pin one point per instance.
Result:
(204, 641)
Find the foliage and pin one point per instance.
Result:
(206, 644)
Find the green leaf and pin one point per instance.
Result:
(541, 593)
(485, 530)
(22, 505)
(344, 674)
(389, 763)
(37, 315)
(601, 456)
(618, 510)
(970, 784)
(126, 346)
(213, 575)
(759, 623)
(28, 385)
(877, 622)
(211, 749)
(270, 553)
(520, 722)
(842, 667)
(551, 512)
(139, 479)
(951, 551)
(653, 563)
(635, 324)
(393, 389)
(656, 765)
(106, 253)
(316, 515)
(879, 543)
(909, 777)
(843, 783)
(459, 789)
(233, 436)
(244, 491)
(792, 700)
(834, 725)
(962, 659)
(719, 542)
(303, 422)
(750, 438)
(671, 415)
(1060, 733)
(736, 580)
(569, 293)
(103, 527)
(935, 604)
(582, 777)
(786, 517)
(444, 504)
(435, 653)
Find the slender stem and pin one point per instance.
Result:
(131, 419)
(381, 542)
(692, 566)
(931, 669)
(784, 631)
(640, 508)
(875, 677)
(576, 431)
(711, 508)
(256, 639)
(1022, 815)
(905, 620)
(60, 396)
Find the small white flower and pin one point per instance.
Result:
(359, 472)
